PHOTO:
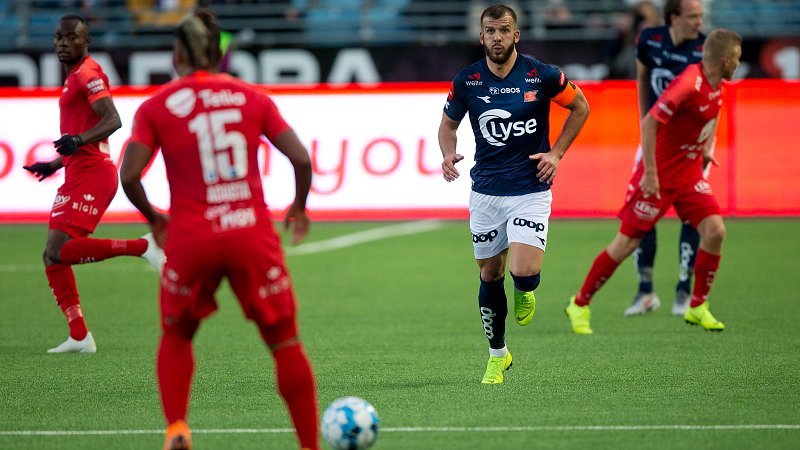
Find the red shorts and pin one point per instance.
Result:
(83, 198)
(256, 272)
(693, 203)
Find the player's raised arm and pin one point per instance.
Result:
(296, 218)
(447, 144)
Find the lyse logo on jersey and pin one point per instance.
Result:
(497, 132)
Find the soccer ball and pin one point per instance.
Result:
(350, 423)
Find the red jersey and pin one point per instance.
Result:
(208, 127)
(85, 84)
(687, 111)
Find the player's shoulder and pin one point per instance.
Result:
(472, 72)
(653, 36)
(88, 69)
(529, 62)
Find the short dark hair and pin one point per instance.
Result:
(497, 11)
(671, 7)
(199, 33)
(77, 17)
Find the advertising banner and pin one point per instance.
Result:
(375, 152)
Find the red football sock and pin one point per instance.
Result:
(62, 283)
(296, 386)
(705, 269)
(602, 269)
(85, 250)
(175, 367)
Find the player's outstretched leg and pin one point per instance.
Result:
(84, 250)
(687, 252)
(524, 300)
(644, 260)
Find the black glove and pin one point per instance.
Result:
(68, 144)
(40, 169)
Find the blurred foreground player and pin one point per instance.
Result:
(674, 136)
(208, 126)
(88, 117)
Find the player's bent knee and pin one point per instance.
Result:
(280, 335)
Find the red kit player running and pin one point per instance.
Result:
(88, 117)
(208, 126)
(674, 134)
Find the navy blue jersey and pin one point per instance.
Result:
(664, 61)
(510, 120)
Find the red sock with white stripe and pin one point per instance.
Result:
(86, 250)
(705, 270)
(62, 283)
(602, 269)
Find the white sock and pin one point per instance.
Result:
(497, 352)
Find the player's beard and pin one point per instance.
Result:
(499, 59)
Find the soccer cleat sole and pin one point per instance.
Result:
(707, 329)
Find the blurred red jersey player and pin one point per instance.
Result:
(674, 134)
(88, 117)
(209, 127)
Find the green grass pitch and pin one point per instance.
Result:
(395, 321)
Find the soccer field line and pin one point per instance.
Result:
(361, 237)
(339, 242)
(556, 428)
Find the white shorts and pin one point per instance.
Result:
(495, 221)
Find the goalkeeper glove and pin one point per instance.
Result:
(68, 144)
(40, 169)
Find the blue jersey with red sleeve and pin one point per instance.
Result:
(664, 61)
(510, 121)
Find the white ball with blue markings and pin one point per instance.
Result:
(350, 423)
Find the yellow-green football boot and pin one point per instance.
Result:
(579, 317)
(700, 315)
(524, 306)
(494, 370)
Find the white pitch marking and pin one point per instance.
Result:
(361, 237)
(563, 428)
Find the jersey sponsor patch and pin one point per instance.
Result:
(646, 210)
(181, 103)
(96, 85)
(562, 78)
(530, 96)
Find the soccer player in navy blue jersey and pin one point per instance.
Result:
(661, 54)
(507, 96)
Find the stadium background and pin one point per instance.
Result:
(376, 154)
